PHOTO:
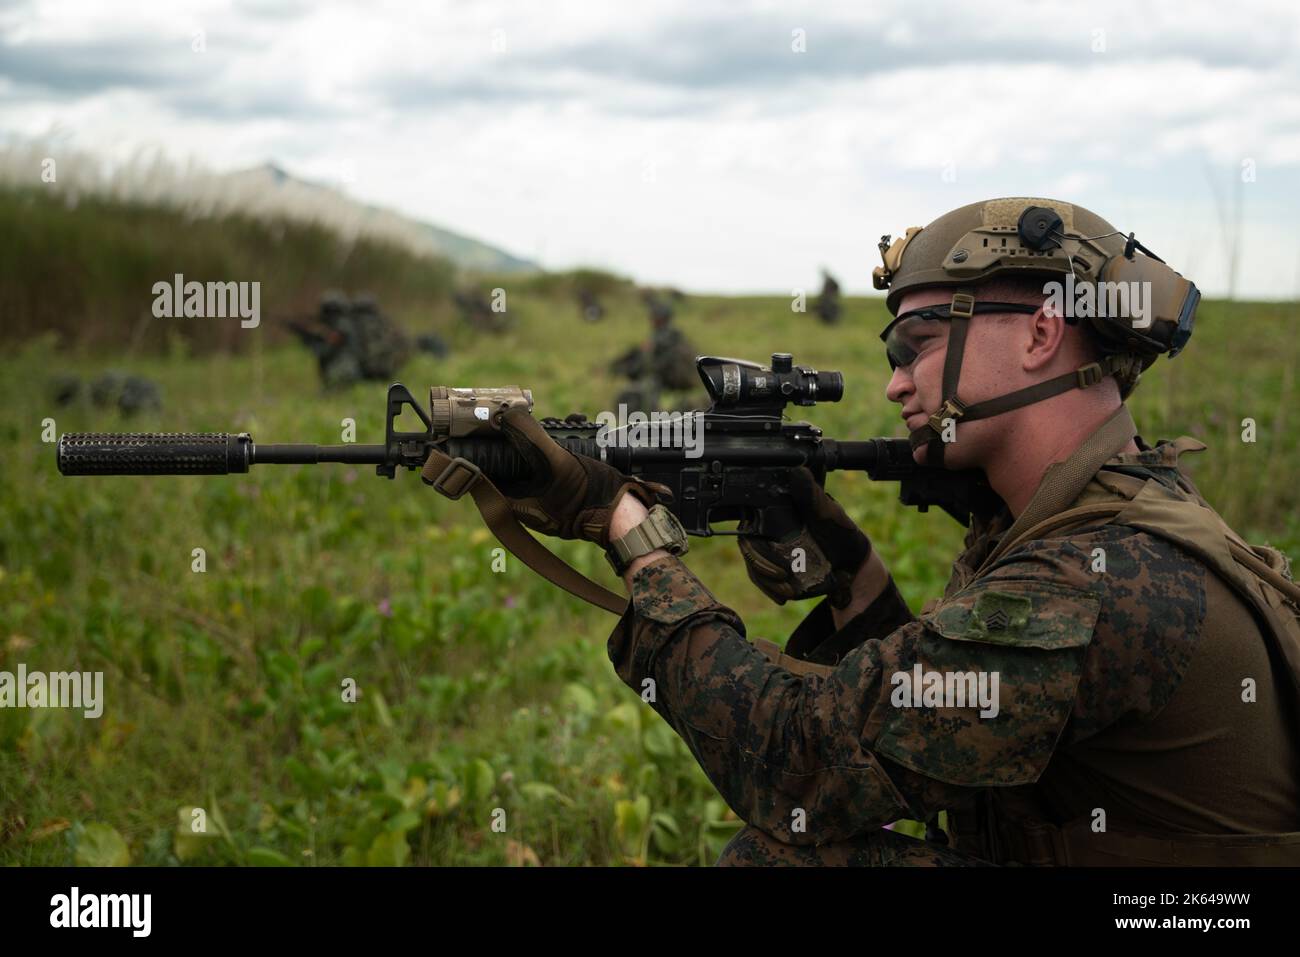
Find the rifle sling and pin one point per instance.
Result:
(453, 477)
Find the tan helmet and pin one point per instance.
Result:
(1135, 307)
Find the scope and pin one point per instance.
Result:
(738, 383)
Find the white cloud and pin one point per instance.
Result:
(685, 142)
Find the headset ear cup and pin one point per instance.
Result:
(1110, 332)
(1154, 307)
(1186, 318)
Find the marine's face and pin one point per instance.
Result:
(921, 346)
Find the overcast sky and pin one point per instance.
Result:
(691, 143)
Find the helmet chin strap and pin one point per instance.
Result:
(954, 409)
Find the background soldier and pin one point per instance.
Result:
(477, 312)
(592, 310)
(828, 303)
(129, 394)
(665, 362)
(1116, 610)
(332, 340)
(381, 345)
(353, 341)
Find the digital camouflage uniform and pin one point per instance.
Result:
(673, 358)
(381, 346)
(353, 341)
(1119, 690)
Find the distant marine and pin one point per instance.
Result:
(828, 303)
(663, 363)
(129, 394)
(480, 314)
(353, 341)
(592, 310)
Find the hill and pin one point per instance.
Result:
(270, 188)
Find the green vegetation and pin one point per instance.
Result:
(477, 690)
(86, 270)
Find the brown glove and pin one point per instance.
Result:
(566, 495)
(833, 549)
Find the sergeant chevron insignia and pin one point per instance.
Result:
(997, 616)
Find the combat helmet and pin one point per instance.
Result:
(1093, 265)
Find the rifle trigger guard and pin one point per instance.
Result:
(457, 478)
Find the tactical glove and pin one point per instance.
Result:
(566, 495)
(833, 549)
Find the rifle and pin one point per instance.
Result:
(729, 462)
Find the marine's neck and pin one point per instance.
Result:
(1033, 442)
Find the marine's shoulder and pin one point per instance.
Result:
(1114, 562)
(1129, 593)
(1150, 609)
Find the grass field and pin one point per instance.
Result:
(488, 727)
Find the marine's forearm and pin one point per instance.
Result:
(869, 584)
(786, 751)
(629, 514)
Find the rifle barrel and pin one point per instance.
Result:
(313, 454)
(193, 453)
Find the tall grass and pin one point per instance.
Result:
(86, 271)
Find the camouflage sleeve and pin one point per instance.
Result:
(830, 753)
(1059, 640)
(785, 750)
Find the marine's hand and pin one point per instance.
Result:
(566, 495)
(831, 549)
